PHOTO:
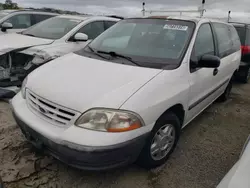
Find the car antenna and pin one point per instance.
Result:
(228, 17)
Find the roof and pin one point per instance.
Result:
(9, 11)
(85, 17)
(239, 24)
(188, 18)
(74, 17)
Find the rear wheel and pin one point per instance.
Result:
(243, 74)
(246, 75)
(161, 142)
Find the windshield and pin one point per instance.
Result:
(148, 41)
(53, 28)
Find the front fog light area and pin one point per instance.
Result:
(109, 120)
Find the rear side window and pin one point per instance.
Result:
(242, 33)
(225, 44)
(247, 37)
(39, 17)
(204, 43)
(235, 38)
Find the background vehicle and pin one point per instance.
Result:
(12, 21)
(22, 53)
(244, 33)
(128, 94)
(238, 176)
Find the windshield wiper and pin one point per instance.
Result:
(31, 35)
(96, 53)
(114, 54)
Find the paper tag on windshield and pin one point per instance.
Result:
(175, 27)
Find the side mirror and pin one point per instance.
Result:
(208, 61)
(5, 26)
(81, 37)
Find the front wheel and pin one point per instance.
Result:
(161, 142)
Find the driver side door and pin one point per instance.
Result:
(203, 81)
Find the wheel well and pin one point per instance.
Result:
(178, 110)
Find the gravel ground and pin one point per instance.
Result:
(207, 149)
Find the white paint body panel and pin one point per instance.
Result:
(82, 83)
(99, 83)
(16, 41)
(238, 176)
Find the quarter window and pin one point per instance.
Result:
(93, 29)
(204, 43)
(224, 39)
(20, 21)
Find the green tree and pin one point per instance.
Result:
(10, 5)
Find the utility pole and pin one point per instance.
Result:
(143, 9)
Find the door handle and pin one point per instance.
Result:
(215, 72)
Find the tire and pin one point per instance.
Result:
(245, 75)
(169, 121)
(225, 96)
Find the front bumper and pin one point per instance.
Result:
(88, 158)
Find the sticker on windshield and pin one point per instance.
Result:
(175, 27)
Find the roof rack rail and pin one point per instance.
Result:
(200, 10)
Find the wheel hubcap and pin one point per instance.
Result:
(162, 142)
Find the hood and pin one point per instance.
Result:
(238, 176)
(82, 83)
(15, 41)
(54, 50)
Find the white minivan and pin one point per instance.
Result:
(127, 95)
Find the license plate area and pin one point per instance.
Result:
(33, 138)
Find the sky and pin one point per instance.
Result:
(134, 7)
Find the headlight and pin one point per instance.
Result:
(109, 120)
(40, 59)
(23, 88)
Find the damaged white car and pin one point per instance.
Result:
(22, 53)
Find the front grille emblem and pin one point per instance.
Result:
(42, 110)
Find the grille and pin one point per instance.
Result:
(52, 112)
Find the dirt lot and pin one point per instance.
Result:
(207, 150)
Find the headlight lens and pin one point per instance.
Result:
(109, 120)
(38, 60)
(23, 88)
